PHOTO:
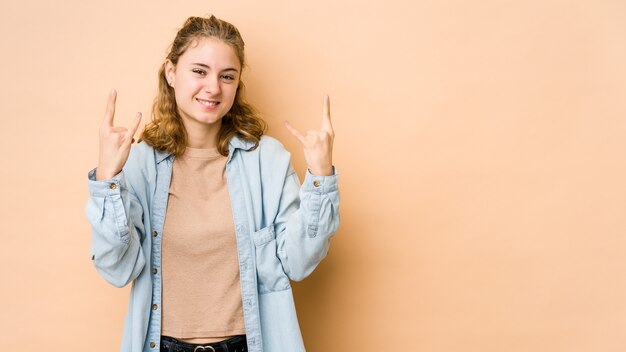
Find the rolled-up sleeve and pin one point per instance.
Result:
(115, 215)
(308, 218)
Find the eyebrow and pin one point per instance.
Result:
(209, 67)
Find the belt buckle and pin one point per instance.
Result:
(204, 348)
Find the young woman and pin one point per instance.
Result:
(206, 215)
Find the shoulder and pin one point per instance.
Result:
(270, 146)
(141, 153)
(273, 154)
(141, 164)
(270, 157)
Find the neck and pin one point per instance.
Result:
(202, 136)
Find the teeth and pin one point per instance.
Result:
(207, 103)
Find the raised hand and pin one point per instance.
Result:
(115, 142)
(318, 144)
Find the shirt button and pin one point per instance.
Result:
(155, 307)
(152, 344)
(113, 186)
(154, 270)
(316, 183)
(154, 233)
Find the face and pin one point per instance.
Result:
(205, 82)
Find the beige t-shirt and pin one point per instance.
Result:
(201, 289)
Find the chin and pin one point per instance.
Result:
(212, 119)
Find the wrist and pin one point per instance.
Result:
(103, 174)
(322, 171)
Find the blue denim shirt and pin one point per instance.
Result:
(283, 230)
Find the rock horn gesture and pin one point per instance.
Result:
(115, 142)
(318, 144)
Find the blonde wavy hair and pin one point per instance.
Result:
(166, 130)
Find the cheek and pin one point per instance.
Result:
(183, 91)
(178, 96)
(232, 93)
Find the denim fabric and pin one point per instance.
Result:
(283, 231)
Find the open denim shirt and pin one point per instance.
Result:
(283, 231)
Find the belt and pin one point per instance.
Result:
(234, 344)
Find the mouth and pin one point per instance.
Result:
(208, 103)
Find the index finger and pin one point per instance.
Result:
(295, 132)
(326, 124)
(110, 110)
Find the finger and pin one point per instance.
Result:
(295, 132)
(131, 133)
(326, 123)
(110, 110)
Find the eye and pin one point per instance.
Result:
(199, 71)
(228, 77)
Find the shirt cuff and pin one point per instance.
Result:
(105, 188)
(320, 184)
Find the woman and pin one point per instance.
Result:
(205, 215)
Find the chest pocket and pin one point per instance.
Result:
(270, 273)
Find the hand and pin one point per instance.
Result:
(318, 144)
(114, 143)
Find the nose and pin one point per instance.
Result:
(212, 85)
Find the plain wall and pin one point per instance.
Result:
(481, 147)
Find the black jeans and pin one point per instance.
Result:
(234, 344)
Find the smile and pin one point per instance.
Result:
(208, 102)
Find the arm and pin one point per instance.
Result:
(113, 209)
(308, 217)
(116, 216)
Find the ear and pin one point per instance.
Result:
(170, 72)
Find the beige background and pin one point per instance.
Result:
(481, 146)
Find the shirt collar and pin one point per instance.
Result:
(236, 142)
(161, 155)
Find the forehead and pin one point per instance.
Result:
(210, 51)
